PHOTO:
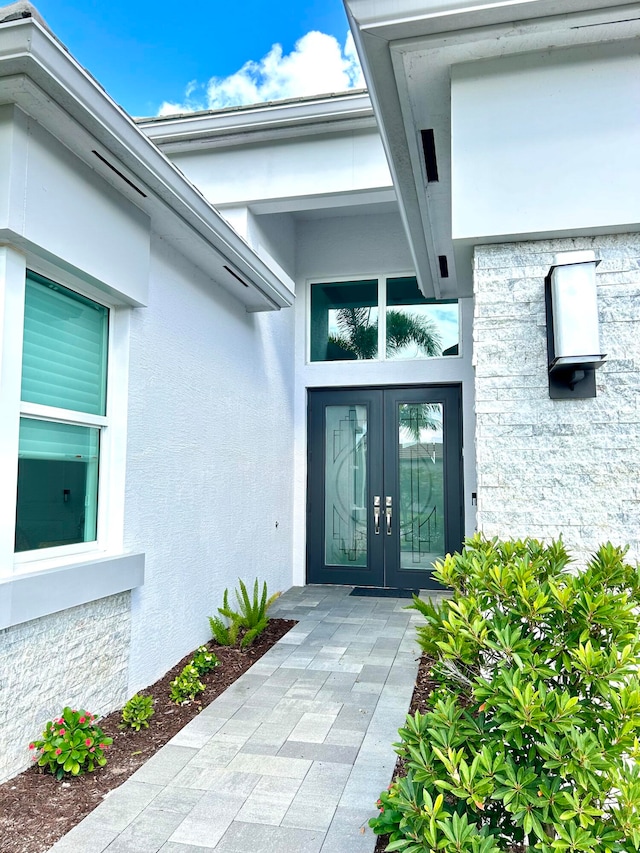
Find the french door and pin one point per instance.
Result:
(385, 484)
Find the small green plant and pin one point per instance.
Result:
(73, 744)
(137, 712)
(186, 686)
(224, 633)
(204, 660)
(248, 622)
(532, 738)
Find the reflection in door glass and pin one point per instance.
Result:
(346, 486)
(421, 476)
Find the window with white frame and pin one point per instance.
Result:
(63, 412)
(385, 318)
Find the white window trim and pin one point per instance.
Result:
(381, 278)
(108, 550)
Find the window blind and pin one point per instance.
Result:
(50, 440)
(64, 361)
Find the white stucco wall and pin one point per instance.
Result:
(209, 480)
(273, 238)
(546, 142)
(53, 204)
(7, 146)
(556, 467)
(210, 457)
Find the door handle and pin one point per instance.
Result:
(388, 509)
(376, 514)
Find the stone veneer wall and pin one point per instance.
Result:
(78, 657)
(551, 467)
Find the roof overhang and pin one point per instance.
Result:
(269, 121)
(408, 48)
(39, 75)
(311, 118)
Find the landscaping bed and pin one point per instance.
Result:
(36, 810)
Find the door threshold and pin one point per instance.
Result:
(383, 592)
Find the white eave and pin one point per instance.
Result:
(42, 78)
(336, 112)
(407, 49)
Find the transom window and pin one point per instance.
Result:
(63, 411)
(380, 318)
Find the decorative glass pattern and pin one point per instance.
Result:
(346, 486)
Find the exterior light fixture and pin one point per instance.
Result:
(573, 338)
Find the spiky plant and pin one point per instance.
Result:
(246, 623)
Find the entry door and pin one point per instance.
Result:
(385, 484)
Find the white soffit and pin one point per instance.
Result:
(42, 78)
(408, 48)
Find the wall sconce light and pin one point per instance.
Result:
(573, 338)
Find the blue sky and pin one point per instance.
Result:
(157, 55)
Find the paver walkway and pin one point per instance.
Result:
(292, 757)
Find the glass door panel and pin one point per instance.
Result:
(346, 503)
(344, 544)
(420, 484)
(422, 480)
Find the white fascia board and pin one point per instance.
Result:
(334, 202)
(407, 60)
(392, 20)
(61, 88)
(377, 64)
(272, 120)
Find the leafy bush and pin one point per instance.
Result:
(72, 744)
(137, 712)
(536, 745)
(186, 685)
(248, 622)
(204, 660)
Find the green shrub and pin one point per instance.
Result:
(186, 686)
(204, 660)
(72, 744)
(248, 622)
(137, 712)
(535, 745)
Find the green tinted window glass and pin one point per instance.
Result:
(344, 320)
(419, 327)
(64, 361)
(57, 484)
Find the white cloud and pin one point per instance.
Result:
(318, 64)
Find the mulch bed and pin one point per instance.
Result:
(36, 810)
(424, 687)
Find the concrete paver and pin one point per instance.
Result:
(293, 756)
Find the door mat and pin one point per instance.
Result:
(381, 592)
